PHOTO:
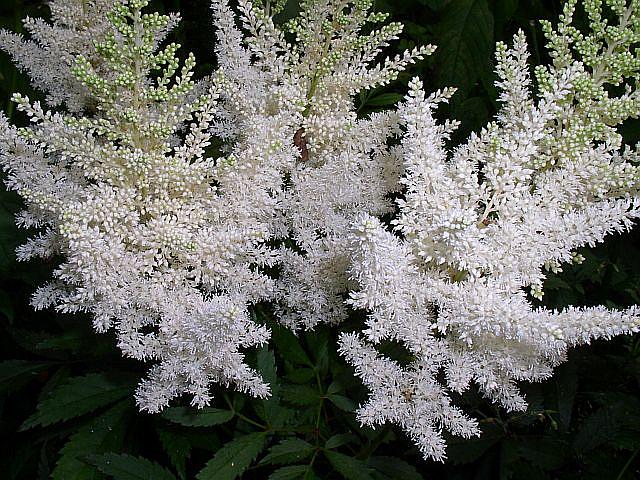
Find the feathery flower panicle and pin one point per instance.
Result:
(161, 241)
(479, 226)
(164, 238)
(344, 164)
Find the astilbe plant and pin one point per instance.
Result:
(159, 241)
(167, 240)
(479, 226)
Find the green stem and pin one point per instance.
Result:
(599, 73)
(375, 443)
(243, 417)
(17, 27)
(316, 75)
(310, 466)
(626, 465)
(319, 417)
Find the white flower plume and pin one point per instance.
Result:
(176, 207)
(477, 229)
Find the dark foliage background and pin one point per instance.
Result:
(66, 393)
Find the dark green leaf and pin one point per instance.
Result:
(191, 417)
(103, 434)
(287, 342)
(520, 470)
(460, 451)
(9, 239)
(80, 395)
(233, 458)
(334, 387)
(606, 424)
(554, 282)
(300, 394)
(465, 43)
(504, 11)
(16, 373)
(318, 342)
(127, 467)
(301, 375)
(394, 468)
(270, 410)
(292, 472)
(338, 440)
(343, 403)
(288, 451)
(73, 339)
(178, 449)
(350, 468)
(267, 365)
(6, 307)
(205, 440)
(384, 100)
(276, 415)
(546, 453)
(435, 4)
(566, 381)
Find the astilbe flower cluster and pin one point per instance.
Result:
(167, 239)
(160, 241)
(51, 48)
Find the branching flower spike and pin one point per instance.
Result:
(176, 207)
(479, 226)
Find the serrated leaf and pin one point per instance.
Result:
(350, 468)
(288, 451)
(334, 388)
(597, 429)
(566, 383)
(343, 403)
(127, 467)
(73, 339)
(177, 447)
(338, 440)
(103, 434)
(545, 453)
(78, 396)
(233, 458)
(286, 342)
(301, 375)
(384, 100)
(267, 365)
(465, 42)
(606, 424)
(318, 342)
(59, 377)
(291, 472)
(270, 409)
(460, 451)
(300, 394)
(191, 417)
(395, 468)
(15, 373)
